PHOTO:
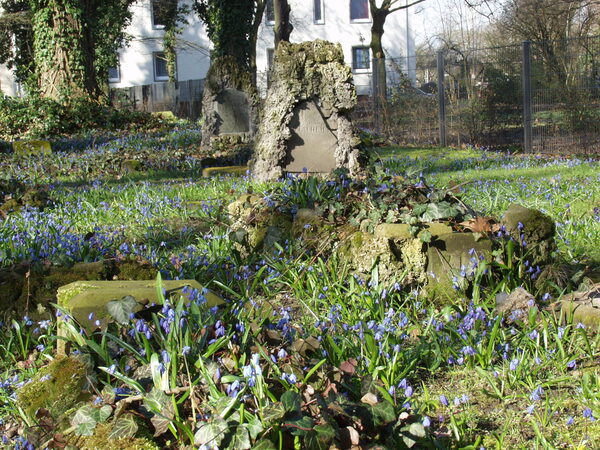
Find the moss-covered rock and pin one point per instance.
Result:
(58, 387)
(397, 258)
(535, 228)
(134, 270)
(132, 165)
(306, 72)
(227, 170)
(451, 253)
(255, 226)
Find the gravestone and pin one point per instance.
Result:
(313, 142)
(233, 111)
(26, 148)
(306, 121)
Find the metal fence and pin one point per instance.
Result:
(182, 98)
(534, 96)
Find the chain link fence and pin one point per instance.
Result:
(534, 96)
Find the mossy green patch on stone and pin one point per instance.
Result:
(227, 170)
(537, 229)
(57, 387)
(26, 148)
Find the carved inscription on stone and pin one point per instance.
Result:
(233, 110)
(313, 140)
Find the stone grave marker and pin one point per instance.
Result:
(313, 142)
(26, 148)
(233, 111)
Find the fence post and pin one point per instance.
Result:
(441, 98)
(527, 122)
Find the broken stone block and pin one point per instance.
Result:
(535, 228)
(450, 253)
(402, 230)
(584, 305)
(82, 298)
(227, 170)
(516, 305)
(27, 148)
(56, 387)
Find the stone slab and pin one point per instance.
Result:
(26, 148)
(227, 170)
(313, 142)
(585, 314)
(233, 111)
(81, 298)
(402, 230)
(449, 252)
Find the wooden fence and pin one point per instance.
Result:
(183, 98)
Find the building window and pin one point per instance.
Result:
(161, 69)
(318, 15)
(159, 14)
(114, 74)
(359, 10)
(270, 13)
(361, 60)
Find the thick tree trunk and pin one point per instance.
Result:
(282, 28)
(64, 49)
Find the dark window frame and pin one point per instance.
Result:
(155, 26)
(360, 19)
(355, 67)
(155, 57)
(320, 21)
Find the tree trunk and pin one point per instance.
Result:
(282, 28)
(64, 49)
(380, 83)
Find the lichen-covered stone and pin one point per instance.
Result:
(538, 231)
(57, 387)
(227, 170)
(26, 148)
(224, 73)
(82, 298)
(450, 253)
(396, 259)
(516, 305)
(309, 71)
(255, 226)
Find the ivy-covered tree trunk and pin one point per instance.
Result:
(230, 25)
(74, 44)
(63, 52)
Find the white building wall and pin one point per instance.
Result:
(193, 51)
(337, 27)
(8, 85)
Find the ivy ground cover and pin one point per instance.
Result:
(304, 354)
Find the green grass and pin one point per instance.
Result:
(300, 328)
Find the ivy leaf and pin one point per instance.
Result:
(264, 444)
(84, 421)
(292, 402)
(301, 426)
(125, 427)
(156, 400)
(383, 413)
(412, 434)
(241, 439)
(425, 236)
(255, 427)
(211, 433)
(120, 310)
(102, 414)
(441, 210)
(273, 412)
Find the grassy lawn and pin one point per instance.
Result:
(304, 354)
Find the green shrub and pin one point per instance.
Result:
(35, 117)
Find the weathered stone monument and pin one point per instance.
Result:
(229, 104)
(305, 124)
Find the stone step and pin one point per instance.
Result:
(25, 148)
